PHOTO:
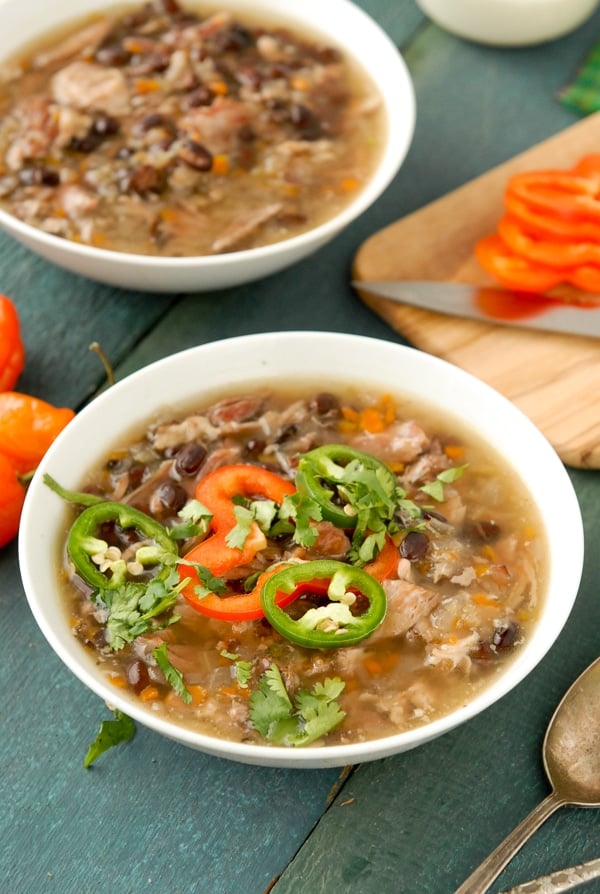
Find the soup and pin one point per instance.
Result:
(352, 566)
(172, 131)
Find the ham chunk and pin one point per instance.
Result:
(407, 604)
(86, 86)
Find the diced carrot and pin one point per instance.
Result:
(480, 569)
(299, 83)
(371, 420)
(484, 599)
(220, 88)
(350, 414)
(349, 184)
(220, 164)
(380, 664)
(454, 451)
(149, 694)
(489, 552)
(198, 694)
(146, 85)
(119, 681)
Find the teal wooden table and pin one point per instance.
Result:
(154, 816)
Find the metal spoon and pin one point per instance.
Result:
(571, 754)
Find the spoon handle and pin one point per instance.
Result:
(480, 880)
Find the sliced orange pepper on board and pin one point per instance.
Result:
(561, 255)
(511, 270)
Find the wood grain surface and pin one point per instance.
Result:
(553, 378)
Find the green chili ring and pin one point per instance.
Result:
(312, 576)
(82, 536)
(321, 466)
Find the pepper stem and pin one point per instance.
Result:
(72, 496)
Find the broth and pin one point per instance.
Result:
(175, 132)
(463, 591)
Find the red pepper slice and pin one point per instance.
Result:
(547, 226)
(216, 491)
(561, 255)
(385, 564)
(244, 607)
(512, 270)
(560, 193)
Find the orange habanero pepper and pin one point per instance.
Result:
(12, 496)
(28, 426)
(12, 352)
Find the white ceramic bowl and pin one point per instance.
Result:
(512, 23)
(341, 23)
(181, 379)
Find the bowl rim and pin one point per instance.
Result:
(544, 634)
(397, 143)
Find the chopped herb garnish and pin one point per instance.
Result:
(301, 510)
(111, 733)
(310, 717)
(435, 488)
(173, 676)
(133, 608)
(196, 521)
(243, 669)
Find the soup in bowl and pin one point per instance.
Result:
(297, 562)
(171, 145)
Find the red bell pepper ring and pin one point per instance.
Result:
(233, 607)
(217, 491)
(385, 564)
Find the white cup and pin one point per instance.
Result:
(509, 22)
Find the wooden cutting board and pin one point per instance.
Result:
(554, 379)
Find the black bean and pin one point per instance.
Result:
(196, 155)
(171, 7)
(506, 637)
(431, 513)
(137, 675)
(105, 125)
(189, 458)
(112, 55)
(306, 122)
(37, 175)
(414, 546)
(232, 39)
(155, 119)
(171, 496)
(85, 144)
(143, 179)
(254, 447)
(200, 96)
(324, 403)
(486, 530)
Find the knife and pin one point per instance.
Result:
(492, 305)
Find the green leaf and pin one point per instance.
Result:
(243, 669)
(111, 733)
(208, 582)
(312, 716)
(301, 510)
(238, 535)
(196, 521)
(173, 676)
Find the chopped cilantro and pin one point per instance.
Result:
(111, 733)
(243, 669)
(435, 488)
(283, 722)
(196, 521)
(134, 607)
(301, 510)
(173, 676)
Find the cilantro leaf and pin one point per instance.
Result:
(111, 733)
(196, 521)
(310, 717)
(435, 488)
(301, 510)
(133, 607)
(243, 669)
(173, 676)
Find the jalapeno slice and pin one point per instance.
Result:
(346, 483)
(326, 626)
(83, 543)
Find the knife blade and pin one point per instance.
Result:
(492, 305)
